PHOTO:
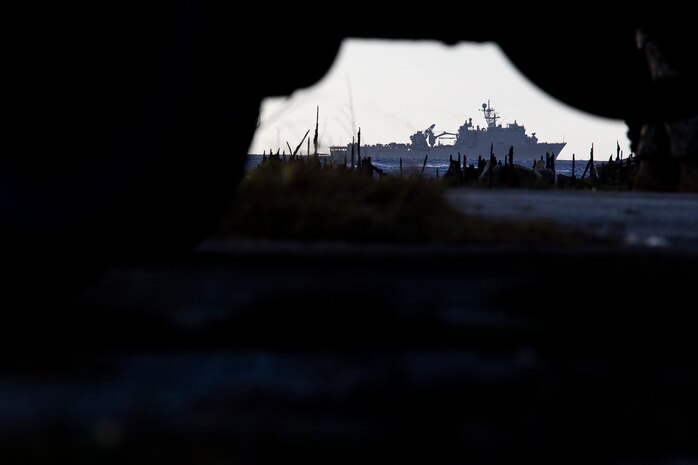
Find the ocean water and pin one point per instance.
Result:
(391, 165)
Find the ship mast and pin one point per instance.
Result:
(490, 116)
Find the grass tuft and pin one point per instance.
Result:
(300, 200)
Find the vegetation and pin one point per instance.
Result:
(301, 200)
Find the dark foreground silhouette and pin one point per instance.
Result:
(127, 126)
(128, 129)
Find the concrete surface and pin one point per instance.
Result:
(641, 218)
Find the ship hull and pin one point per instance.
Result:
(522, 152)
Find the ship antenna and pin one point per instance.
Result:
(490, 116)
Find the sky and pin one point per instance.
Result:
(391, 88)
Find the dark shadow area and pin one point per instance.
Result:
(125, 343)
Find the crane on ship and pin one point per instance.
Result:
(429, 135)
(447, 135)
(432, 138)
